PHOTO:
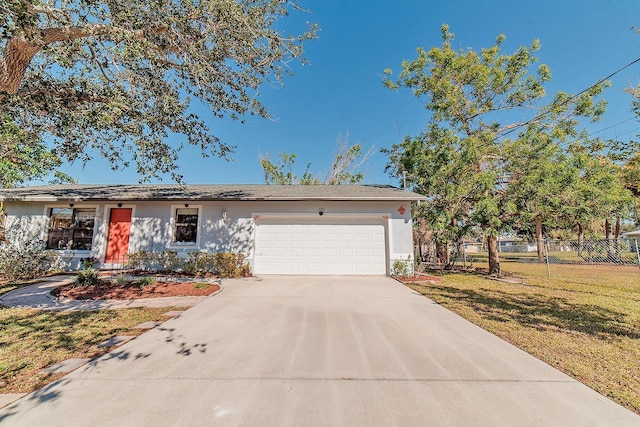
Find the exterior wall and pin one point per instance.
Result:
(152, 223)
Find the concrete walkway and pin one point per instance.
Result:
(310, 351)
(39, 296)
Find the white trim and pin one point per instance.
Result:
(256, 216)
(172, 223)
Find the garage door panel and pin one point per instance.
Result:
(320, 247)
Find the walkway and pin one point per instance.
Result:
(39, 296)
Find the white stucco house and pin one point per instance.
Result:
(281, 229)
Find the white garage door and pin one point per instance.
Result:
(320, 247)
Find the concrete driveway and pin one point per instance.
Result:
(309, 351)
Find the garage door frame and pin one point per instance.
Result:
(383, 217)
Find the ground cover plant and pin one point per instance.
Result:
(584, 320)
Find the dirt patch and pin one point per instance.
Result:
(106, 289)
(419, 278)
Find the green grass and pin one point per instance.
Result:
(584, 320)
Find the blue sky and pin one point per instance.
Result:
(341, 91)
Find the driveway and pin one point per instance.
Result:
(308, 351)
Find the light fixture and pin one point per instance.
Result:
(186, 205)
(225, 217)
(70, 205)
(119, 205)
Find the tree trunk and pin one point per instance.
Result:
(580, 239)
(442, 252)
(494, 257)
(539, 242)
(607, 236)
(616, 233)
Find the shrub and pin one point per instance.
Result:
(401, 268)
(144, 281)
(224, 264)
(87, 277)
(160, 261)
(88, 262)
(25, 261)
(120, 280)
(228, 264)
(199, 263)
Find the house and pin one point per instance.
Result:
(514, 244)
(281, 229)
(634, 237)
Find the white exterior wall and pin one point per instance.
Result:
(152, 223)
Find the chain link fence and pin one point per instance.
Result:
(605, 252)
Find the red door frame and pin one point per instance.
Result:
(118, 235)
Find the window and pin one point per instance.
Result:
(186, 225)
(70, 228)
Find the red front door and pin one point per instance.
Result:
(118, 240)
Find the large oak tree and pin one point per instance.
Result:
(120, 77)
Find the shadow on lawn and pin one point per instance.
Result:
(538, 310)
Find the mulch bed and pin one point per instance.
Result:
(109, 290)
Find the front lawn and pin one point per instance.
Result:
(584, 320)
(31, 340)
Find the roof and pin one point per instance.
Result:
(204, 192)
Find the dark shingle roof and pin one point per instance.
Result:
(207, 192)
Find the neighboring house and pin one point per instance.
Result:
(281, 229)
(634, 236)
(514, 244)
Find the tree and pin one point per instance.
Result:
(478, 101)
(283, 173)
(345, 167)
(119, 77)
(23, 157)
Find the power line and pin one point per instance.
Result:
(613, 125)
(566, 101)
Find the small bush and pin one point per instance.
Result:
(88, 262)
(202, 285)
(120, 280)
(159, 261)
(25, 261)
(88, 277)
(144, 281)
(228, 264)
(224, 264)
(401, 268)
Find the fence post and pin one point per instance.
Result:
(546, 254)
(637, 241)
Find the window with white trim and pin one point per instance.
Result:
(186, 225)
(71, 228)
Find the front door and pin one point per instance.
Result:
(118, 239)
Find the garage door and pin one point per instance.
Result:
(320, 247)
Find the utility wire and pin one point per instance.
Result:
(539, 116)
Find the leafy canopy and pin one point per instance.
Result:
(481, 136)
(345, 167)
(120, 77)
